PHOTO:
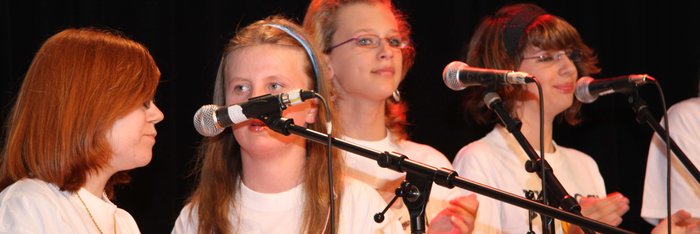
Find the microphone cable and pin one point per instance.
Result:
(543, 193)
(667, 137)
(329, 158)
(542, 169)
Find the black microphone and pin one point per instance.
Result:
(589, 89)
(458, 75)
(210, 120)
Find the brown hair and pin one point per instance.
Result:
(487, 48)
(320, 22)
(79, 83)
(219, 164)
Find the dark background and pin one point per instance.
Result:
(186, 38)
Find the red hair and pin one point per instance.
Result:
(79, 83)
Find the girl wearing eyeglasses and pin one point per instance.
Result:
(524, 37)
(369, 53)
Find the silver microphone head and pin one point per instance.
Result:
(582, 93)
(451, 75)
(205, 121)
(490, 98)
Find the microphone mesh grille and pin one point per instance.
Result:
(205, 121)
(582, 93)
(451, 75)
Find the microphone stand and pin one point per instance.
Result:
(644, 115)
(556, 193)
(422, 175)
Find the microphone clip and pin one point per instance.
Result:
(277, 123)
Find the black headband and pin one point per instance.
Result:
(515, 28)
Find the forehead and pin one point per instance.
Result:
(370, 17)
(267, 60)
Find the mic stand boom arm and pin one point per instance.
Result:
(644, 115)
(419, 172)
(556, 193)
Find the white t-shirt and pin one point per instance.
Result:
(385, 180)
(497, 160)
(35, 206)
(282, 212)
(684, 121)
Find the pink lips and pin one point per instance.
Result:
(256, 125)
(566, 88)
(386, 71)
(152, 135)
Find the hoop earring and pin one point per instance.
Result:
(396, 96)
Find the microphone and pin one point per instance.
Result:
(458, 76)
(588, 89)
(210, 120)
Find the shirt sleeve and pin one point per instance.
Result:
(685, 190)
(29, 214)
(186, 221)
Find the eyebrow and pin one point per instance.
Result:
(236, 79)
(538, 52)
(372, 31)
(228, 82)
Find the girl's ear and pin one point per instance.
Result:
(313, 112)
(331, 73)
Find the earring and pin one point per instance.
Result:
(396, 96)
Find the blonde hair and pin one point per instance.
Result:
(219, 161)
(320, 22)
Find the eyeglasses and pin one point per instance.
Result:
(573, 55)
(372, 41)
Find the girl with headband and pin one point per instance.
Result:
(525, 38)
(252, 179)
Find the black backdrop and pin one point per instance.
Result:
(186, 38)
